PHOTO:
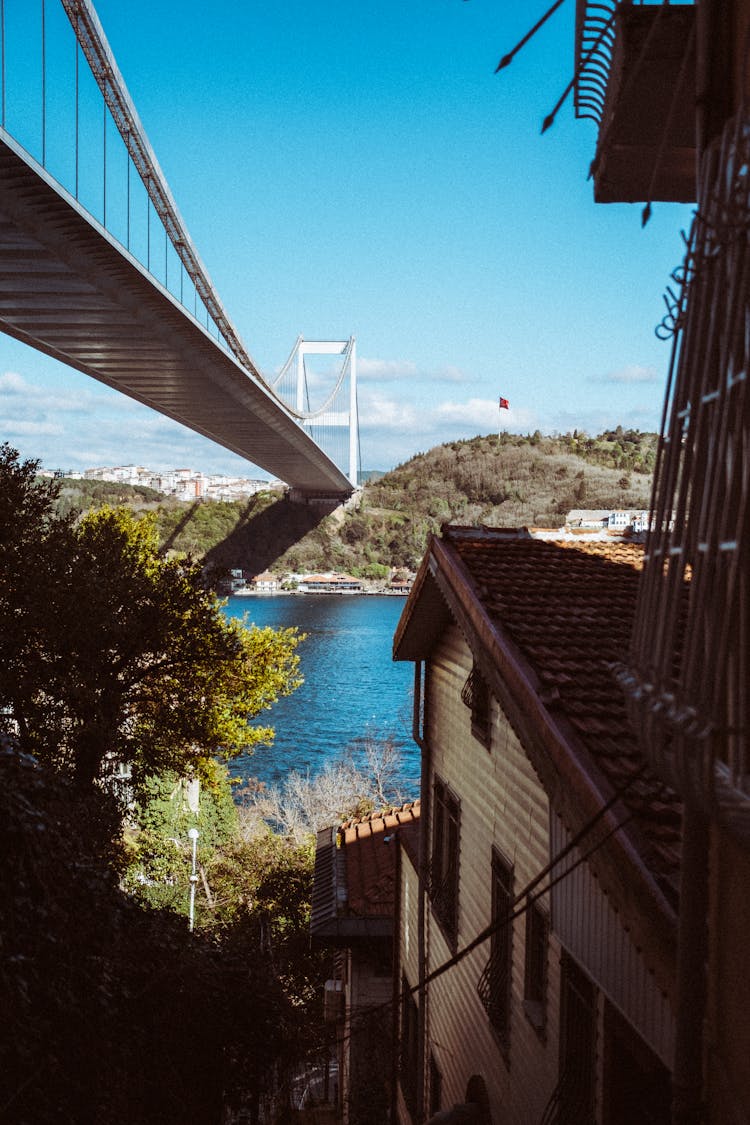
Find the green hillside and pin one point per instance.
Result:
(503, 480)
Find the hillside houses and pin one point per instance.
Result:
(622, 521)
(183, 484)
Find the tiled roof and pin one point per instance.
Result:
(355, 869)
(369, 850)
(568, 608)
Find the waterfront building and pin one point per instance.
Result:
(329, 584)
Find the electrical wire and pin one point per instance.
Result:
(526, 897)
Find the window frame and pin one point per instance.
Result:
(445, 858)
(536, 966)
(477, 696)
(495, 985)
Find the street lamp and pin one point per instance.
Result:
(193, 835)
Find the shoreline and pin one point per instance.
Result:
(317, 593)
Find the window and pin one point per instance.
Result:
(577, 1045)
(495, 983)
(535, 972)
(476, 696)
(637, 1085)
(446, 816)
(436, 1086)
(409, 1047)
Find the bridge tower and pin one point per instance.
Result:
(338, 416)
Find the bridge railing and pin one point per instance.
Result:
(65, 102)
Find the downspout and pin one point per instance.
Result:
(396, 985)
(420, 710)
(692, 953)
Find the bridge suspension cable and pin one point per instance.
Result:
(90, 35)
(69, 127)
(334, 423)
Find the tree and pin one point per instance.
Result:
(111, 1012)
(352, 784)
(116, 654)
(31, 536)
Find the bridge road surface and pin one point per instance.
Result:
(68, 289)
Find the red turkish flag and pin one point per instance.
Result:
(504, 404)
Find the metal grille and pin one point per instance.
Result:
(494, 986)
(572, 1101)
(595, 33)
(493, 989)
(445, 857)
(476, 696)
(688, 680)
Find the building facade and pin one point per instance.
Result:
(537, 924)
(669, 86)
(354, 916)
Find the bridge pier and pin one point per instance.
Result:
(318, 499)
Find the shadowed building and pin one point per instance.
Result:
(549, 852)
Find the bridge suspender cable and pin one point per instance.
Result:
(90, 34)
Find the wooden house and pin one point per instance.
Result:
(537, 924)
(354, 915)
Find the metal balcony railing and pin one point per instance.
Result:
(594, 36)
(689, 677)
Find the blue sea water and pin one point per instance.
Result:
(353, 690)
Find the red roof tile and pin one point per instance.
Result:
(568, 608)
(369, 848)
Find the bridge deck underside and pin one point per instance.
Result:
(67, 289)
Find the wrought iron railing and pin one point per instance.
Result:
(689, 671)
(594, 36)
(494, 990)
(444, 897)
(595, 33)
(570, 1103)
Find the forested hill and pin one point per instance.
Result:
(504, 480)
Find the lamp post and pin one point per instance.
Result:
(193, 835)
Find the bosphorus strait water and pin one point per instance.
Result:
(352, 690)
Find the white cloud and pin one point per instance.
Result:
(385, 370)
(397, 370)
(11, 383)
(20, 428)
(482, 412)
(633, 373)
(379, 412)
(394, 430)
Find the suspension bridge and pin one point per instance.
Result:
(97, 268)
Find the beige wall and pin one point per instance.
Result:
(408, 946)
(502, 804)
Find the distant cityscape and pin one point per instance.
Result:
(181, 484)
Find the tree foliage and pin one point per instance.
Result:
(115, 653)
(112, 1012)
(352, 784)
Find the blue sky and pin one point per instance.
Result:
(358, 168)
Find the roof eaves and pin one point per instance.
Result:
(575, 787)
